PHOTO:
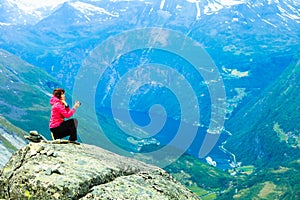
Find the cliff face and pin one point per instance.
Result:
(70, 171)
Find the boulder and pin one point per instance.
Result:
(69, 171)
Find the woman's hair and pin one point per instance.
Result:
(58, 92)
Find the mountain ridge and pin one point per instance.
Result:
(215, 32)
(18, 104)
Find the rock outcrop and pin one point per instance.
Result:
(70, 171)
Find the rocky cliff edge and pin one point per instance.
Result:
(70, 171)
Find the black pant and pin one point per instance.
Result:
(66, 128)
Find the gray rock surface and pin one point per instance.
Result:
(70, 171)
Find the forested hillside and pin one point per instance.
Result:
(266, 132)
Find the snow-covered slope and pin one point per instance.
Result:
(27, 12)
(30, 12)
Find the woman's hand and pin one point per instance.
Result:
(65, 103)
(76, 105)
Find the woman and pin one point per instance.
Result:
(60, 127)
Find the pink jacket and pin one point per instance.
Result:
(59, 112)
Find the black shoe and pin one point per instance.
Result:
(73, 142)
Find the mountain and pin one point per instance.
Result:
(65, 34)
(265, 132)
(25, 92)
(248, 59)
(24, 102)
(18, 12)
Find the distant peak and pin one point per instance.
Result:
(90, 9)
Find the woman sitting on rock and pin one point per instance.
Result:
(60, 127)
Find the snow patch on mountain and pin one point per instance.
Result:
(32, 11)
(213, 6)
(32, 5)
(288, 14)
(223, 2)
(4, 24)
(162, 4)
(90, 10)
